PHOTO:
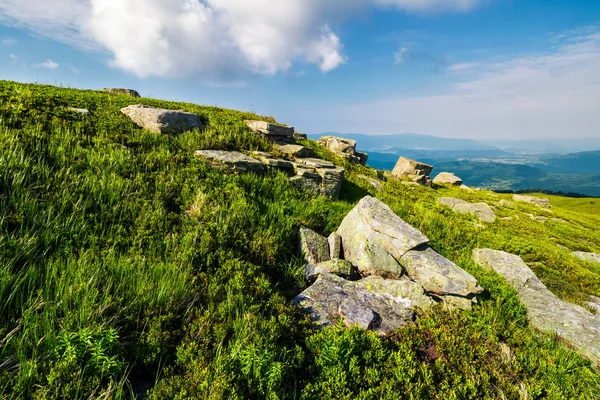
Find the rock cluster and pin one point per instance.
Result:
(414, 170)
(397, 272)
(127, 92)
(160, 120)
(345, 148)
(447, 178)
(541, 202)
(481, 210)
(572, 323)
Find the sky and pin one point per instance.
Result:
(480, 69)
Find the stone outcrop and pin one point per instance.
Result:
(481, 210)
(541, 202)
(585, 256)
(230, 160)
(447, 178)
(313, 247)
(159, 120)
(331, 298)
(294, 151)
(414, 170)
(127, 92)
(270, 129)
(396, 272)
(572, 323)
(345, 148)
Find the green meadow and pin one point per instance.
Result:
(130, 269)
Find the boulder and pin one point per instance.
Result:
(417, 171)
(331, 181)
(332, 298)
(338, 144)
(127, 92)
(313, 247)
(437, 274)
(481, 210)
(232, 160)
(572, 323)
(402, 288)
(300, 136)
(541, 202)
(294, 151)
(374, 238)
(159, 120)
(270, 129)
(335, 246)
(447, 178)
(585, 256)
(337, 267)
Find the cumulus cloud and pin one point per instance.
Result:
(550, 94)
(208, 37)
(48, 64)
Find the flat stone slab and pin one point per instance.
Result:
(332, 298)
(572, 323)
(374, 238)
(267, 128)
(233, 160)
(447, 178)
(160, 120)
(315, 163)
(541, 202)
(585, 256)
(481, 210)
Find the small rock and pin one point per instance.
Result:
(233, 160)
(447, 178)
(457, 302)
(294, 151)
(267, 128)
(465, 187)
(313, 247)
(377, 185)
(159, 120)
(82, 111)
(338, 144)
(539, 218)
(127, 92)
(506, 203)
(337, 267)
(335, 246)
(541, 202)
(585, 256)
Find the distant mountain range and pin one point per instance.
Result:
(560, 165)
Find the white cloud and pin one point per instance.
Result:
(13, 57)
(48, 64)
(208, 37)
(400, 55)
(8, 41)
(551, 94)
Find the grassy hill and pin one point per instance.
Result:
(128, 268)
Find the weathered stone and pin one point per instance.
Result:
(405, 167)
(465, 187)
(338, 144)
(585, 256)
(481, 210)
(331, 298)
(159, 120)
(437, 274)
(362, 157)
(272, 162)
(572, 323)
(313, 247)
(506, 203)
(403, 288)
(314, 163)
(447, 178)
(541, 202)
(331, 183)
(81, 111)
(335, 246)
(377, 185)
(127, 92)
(232, 160)
(374, 238)
(294, 151)
(300, 136)
(337, 267)
(309, 184)
(456, 302)
(267, 128)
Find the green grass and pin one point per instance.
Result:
(128, 267)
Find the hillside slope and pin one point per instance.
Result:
(132, 269)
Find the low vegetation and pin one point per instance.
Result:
(131, 269)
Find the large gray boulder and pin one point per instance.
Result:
(313, 247)
(332, 298)
(541, 202)
(572, 323)
(345, 148)
(416, 171)
(160, 120)
(481, 210)
(447, 178)
(437, 274)
(230, 160)
(270, 129)
(585, 256)
(374, 238)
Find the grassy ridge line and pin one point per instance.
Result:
(128, 265)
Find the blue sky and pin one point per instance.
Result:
(484, 69)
